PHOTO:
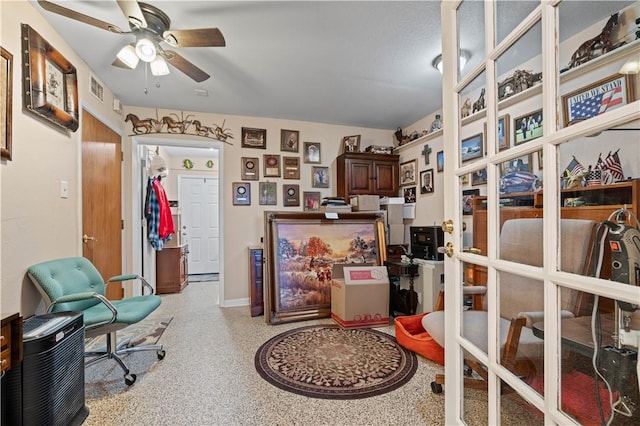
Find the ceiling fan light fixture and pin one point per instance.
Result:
(159, 66)
(146, 50)
(128, 56)
(632, 66)
(464, 57)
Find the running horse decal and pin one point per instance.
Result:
(140, 126)
(602, 42)
(173, 126)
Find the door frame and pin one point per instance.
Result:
(179, 189)
(142, 257)
(553, 278)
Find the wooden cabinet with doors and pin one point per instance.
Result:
(255, 283)
(367, 174)
(172, 273)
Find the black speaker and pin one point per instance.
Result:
(48, 387)
(425, 241)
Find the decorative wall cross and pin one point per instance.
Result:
(426, 152)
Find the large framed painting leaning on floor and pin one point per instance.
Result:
(300, 250)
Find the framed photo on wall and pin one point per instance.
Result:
(6, 92)
(254, 138)
(241, 193)
(527, 128)
(291, 167)
(410, 194)
(268, 195)
(311, 201)
(426, 181)
(479, 177)
(520, 164)
(408, 172)
(503, 132)
(312, 152)
(271, 165)
(320, 176)
(289, 140)
(50, 82)
(440, 161)
(250, 168)
(467, 200)
(471, 147)
(597, 98)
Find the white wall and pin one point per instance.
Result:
(37, 224)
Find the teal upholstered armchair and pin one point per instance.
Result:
(74, 284)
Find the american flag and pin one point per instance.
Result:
(574, 168)
(597, 104)
(600, 164)
(614, 167)
(594, 177)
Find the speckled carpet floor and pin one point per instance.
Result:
(332, 363)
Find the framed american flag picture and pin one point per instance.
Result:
(597, 98)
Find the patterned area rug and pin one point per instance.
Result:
(333, 363)
(146, 332)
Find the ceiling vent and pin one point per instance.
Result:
(201, 92)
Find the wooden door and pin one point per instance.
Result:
(101, 199)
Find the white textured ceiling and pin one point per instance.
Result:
(362, 63)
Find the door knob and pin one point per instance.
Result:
(448, 249)
(86, 238)
(447, 226)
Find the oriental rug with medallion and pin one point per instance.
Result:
(326, 361)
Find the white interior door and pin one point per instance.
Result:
(198, 199)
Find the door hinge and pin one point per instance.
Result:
(121, 156)
(121, 224)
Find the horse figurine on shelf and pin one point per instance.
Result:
(479, 104)
(466, 107)
(588, 50)
(141, 126)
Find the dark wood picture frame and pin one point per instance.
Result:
(271, 165)
(351, 144)
(289, 140)
(624, 94)
(319, 177)
(284, 295)
(6, 95)
(472, 147)
(467, 200)
(250, 168)
(408, 173)
(503, 132)
(50, 82)
(241, 193)
(479, 177)
(254, 138)
(312, 153)
(291, 167)
(291, 195)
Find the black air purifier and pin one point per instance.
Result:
(48, 387)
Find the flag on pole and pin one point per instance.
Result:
(574, 168)
(614, 167)
(600, 164)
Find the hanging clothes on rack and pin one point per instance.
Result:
(156, 207)
(165, 225)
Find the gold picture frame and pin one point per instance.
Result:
(6, 94)
(50, 82)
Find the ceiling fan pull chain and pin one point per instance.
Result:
(146, 67)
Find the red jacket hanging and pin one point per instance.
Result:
(165, 227)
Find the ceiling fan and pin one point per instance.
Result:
(151, 27)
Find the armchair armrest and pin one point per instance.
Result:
(129, 277)
(77, 297)
(538, 316)
(474, 289)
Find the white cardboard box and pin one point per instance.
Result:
(361, 298)
(364, 203)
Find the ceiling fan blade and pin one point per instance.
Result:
(184, 65)
(132, 11)
(72, 14)
(198, 37)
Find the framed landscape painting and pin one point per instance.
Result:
(302, 247)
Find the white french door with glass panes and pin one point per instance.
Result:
(537, 37)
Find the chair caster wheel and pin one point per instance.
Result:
(161, 353)
(129, 379)
(436, 388)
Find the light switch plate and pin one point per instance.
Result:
(64, 189)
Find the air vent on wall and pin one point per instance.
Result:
(97, 89)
